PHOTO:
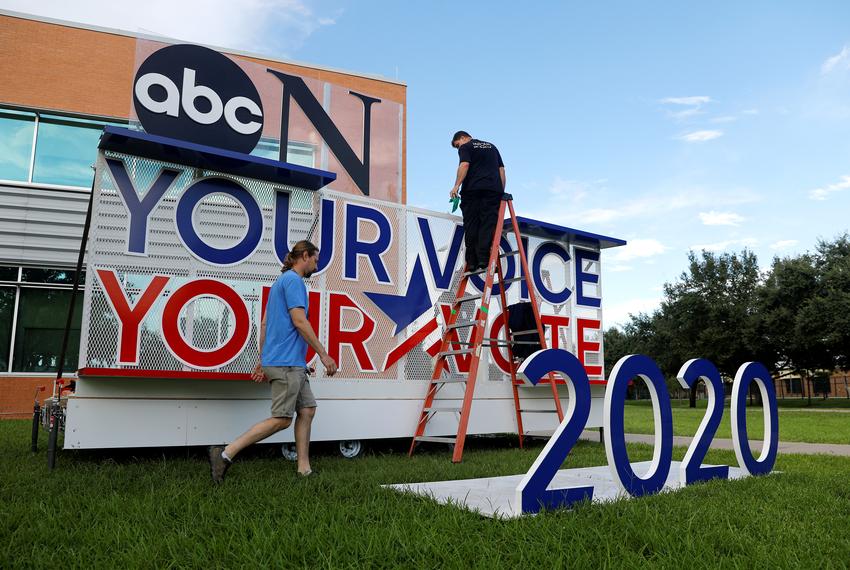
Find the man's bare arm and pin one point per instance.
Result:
(257, 375)
(502, 176)
(299, 320)
(462, 169)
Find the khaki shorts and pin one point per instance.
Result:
(290, 390)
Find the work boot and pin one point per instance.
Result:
(218, 464)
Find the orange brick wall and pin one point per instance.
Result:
(16, 394)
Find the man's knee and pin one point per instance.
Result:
(282, 423)
(307, 413)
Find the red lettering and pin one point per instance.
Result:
(356, 339)
(129, 318)
(187, 353)
(583, 346)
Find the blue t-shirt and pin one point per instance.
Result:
(284, 345)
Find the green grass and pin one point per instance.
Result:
(148, 508)
(794, 425)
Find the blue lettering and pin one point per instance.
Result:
(372, 250)
(139, 210)
(554, 297)
(195, 244)
(442, 275)
(582, 277)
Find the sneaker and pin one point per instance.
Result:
(218, 464)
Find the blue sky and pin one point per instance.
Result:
(674, 126)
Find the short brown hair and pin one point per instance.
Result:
(298, 251)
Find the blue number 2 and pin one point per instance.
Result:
(692, 469)
(532, 493)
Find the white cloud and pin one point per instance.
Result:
(700, 136)
(638, 248)
(724, 245)
(783, 244)
(713, 218)
(619, 268)
(750, 112)
(694, 106)
(618, 313)
(725, 119)
(822, 193)
(839, 61)
(653, 205)
(693, 100)
(274, 27)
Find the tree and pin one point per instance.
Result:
(709, 313)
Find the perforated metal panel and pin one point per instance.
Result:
(207, 323)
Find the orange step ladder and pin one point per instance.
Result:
(472, 347)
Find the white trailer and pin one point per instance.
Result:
(173, 302)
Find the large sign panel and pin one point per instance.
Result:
(181, 261)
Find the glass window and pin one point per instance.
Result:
(296, 153)
(16, 130)
(65, 151)
(8, 273)
(58, 276)
(41, 323)
(7, 309)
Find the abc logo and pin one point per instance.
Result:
(195, 94)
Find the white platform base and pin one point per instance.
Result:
(496, 496)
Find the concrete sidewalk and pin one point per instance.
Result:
(784, 446)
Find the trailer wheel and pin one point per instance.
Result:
(288, 452)
(350, 448)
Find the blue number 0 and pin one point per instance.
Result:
(748, 373)
(627, 368)
(532, 494)
(692, 469)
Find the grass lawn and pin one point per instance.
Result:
(794, 425)
(149, 508)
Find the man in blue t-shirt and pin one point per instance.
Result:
(284, 335)
(482, 174)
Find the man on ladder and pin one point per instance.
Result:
(482, 174)
(485, 205)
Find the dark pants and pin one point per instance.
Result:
(480, 213)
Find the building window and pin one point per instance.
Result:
(302, 154)
(7, 311)
(65, 150)
(34, 306)
(48, 149)
(16, 138)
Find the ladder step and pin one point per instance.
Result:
(449, 380)
(436, 439)
(512, 280)
(476, 272)
(469, 298)
(539, 411)
(433, 409)
(509, 253)
(517, 333)
(462, 324)
(451, 352)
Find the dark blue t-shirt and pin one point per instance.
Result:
(484, 163)
(284, 345)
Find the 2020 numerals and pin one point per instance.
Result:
(533, 492)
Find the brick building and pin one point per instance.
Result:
(61, 83)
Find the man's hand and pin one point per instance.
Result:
(453, 193)
(258, 375)
(329, 364)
